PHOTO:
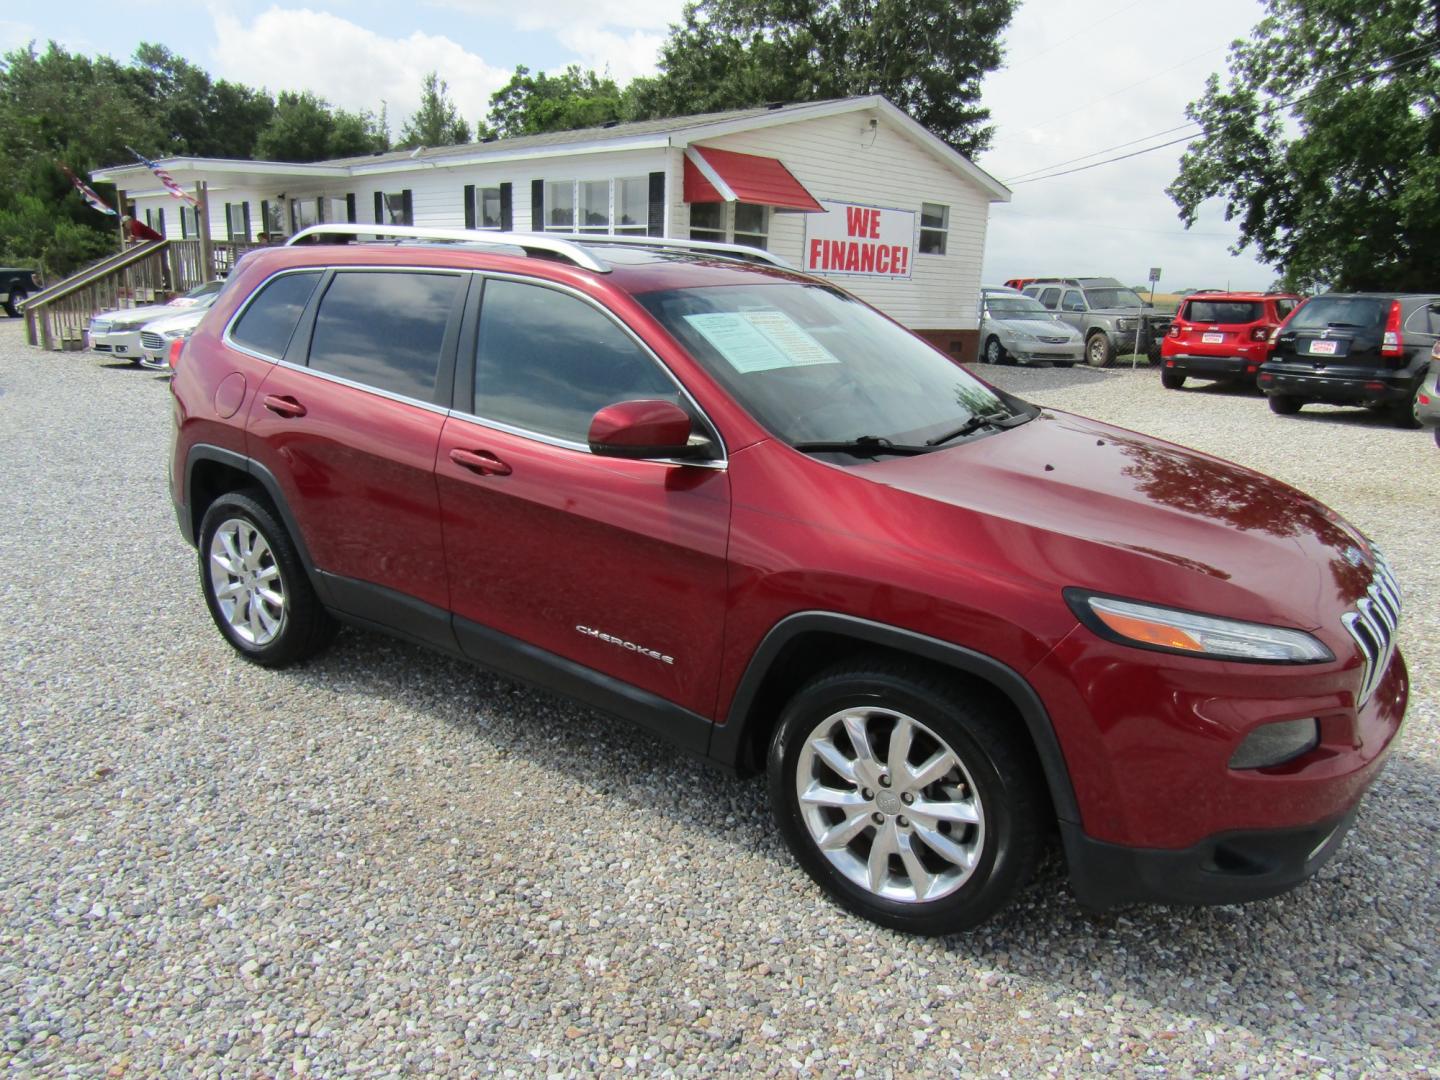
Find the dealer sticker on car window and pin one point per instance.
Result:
(760, 340)
(1322, 348)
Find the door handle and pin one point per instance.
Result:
(284, 406)
(480, 461)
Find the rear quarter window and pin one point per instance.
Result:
(266, 324)
(1222, 312)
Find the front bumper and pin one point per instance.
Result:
(1037, 352)
(1338, 386)
(124, 343)
(1227, 868)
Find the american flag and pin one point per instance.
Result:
(171, 185)
(88, 193)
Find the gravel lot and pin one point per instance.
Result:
(390, 862)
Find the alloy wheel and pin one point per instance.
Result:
(890, 805)
(246, 583)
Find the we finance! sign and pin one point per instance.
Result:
(867, 240)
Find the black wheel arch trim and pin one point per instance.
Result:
(265, 479)
(729, 742)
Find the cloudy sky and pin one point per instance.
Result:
(1081, 76)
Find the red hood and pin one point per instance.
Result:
(1076, 502)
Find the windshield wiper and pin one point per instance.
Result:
(861, 445)
(979, 420)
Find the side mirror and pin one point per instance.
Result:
(642, 429)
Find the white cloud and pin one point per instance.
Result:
(348, 65)
(624, 56)
(558, 15)
(1093, 74)
(16, 35)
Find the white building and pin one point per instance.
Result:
(851, 189)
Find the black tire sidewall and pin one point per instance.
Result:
(1101, 344)
(1008, 804)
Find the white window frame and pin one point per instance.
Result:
(560, 185)
(480, 193)
(618, 200)
(763, 234)
(394, 203)
(943, 231)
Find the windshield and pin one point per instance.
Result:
(210, 288)
(814, 365)
(1113, 298)
(1015, 307)
(1360, 312)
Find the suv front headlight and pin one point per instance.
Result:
(1125, 324)
(1148, 626)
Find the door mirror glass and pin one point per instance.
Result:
(642, 429)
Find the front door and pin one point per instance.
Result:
(616, 566)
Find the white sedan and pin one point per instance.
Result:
(118, 332)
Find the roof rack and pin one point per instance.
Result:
(570, 246)
(527, 242)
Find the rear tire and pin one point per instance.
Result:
(1407, 414)
(910, 799)
(1284, 404)
(255, 585)
(1171, 379)
(1098, 351)
(12, 306)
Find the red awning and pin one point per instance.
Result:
(724, 176)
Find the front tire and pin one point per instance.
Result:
(12, 306)
(255, 585)
(1284, 404)
(1098, 351)
(994, 352)
(910, 800)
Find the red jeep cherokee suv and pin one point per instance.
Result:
(739, 507)
(1222, 336)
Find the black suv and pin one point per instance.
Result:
(15, 286)
(1370, 349)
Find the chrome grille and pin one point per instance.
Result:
(1373, 624)
(153, 342)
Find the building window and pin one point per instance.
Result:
(632, 205)
(934, 225)
(707, 222)
(237, 222)
(274, 219)
(189, 224)
(752, 224)
(560, 205)
(396, 212)
(594, 206)
(487, 208)
(303, 214)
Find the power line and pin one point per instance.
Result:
(1395, 61)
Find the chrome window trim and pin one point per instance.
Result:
(428, 406)
(722, 462)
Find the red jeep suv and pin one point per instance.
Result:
(737, 506)
(1221, 336)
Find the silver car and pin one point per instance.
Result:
(1427, 400)
(118, 332)
(1016, 329)
(156, 337)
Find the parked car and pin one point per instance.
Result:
(118, 332)
(1014, 328)
(157, 336)
(1370, 349)
(1111, 318)
(16, 285)
(1221, 336)
(1428, 400)
(742, 508)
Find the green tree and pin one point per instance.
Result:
(1325, 145)
(927, 56)
(437, 122)
(194, 114)
(531, 104)
(306, 128)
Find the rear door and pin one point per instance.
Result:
(348, 423)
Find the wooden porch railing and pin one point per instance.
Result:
(147, 273)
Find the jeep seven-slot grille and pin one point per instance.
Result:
(1372, 624)
(152, 341)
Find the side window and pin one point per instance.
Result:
(385, 329)
(1284, 307)
(1073, 301)
(548, 362)
(1050, 298)
(267, 323)
(934, 227)
(1423, 320)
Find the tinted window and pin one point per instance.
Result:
(268, 322)
(1284, 307)
(1050, 297)
(1072, 301)
(1425, 319)
(1341, 312)
(1015, 307)
(385, 329)
(548, 362)
(1113, 298)
(1223, 311)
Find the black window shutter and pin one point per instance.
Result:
(537, 205)
(350, 207)
(162, 221)
(408, 208)
(265, 216)
(184, 224)
(469, 206)
(228, 236)
(245, 206)
(379, 208)
(507, 209)
(657, 204)
(320, 209)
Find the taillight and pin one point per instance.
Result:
(1174, 329)
(1259, 333)
(1392, 346)
(176, 348)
